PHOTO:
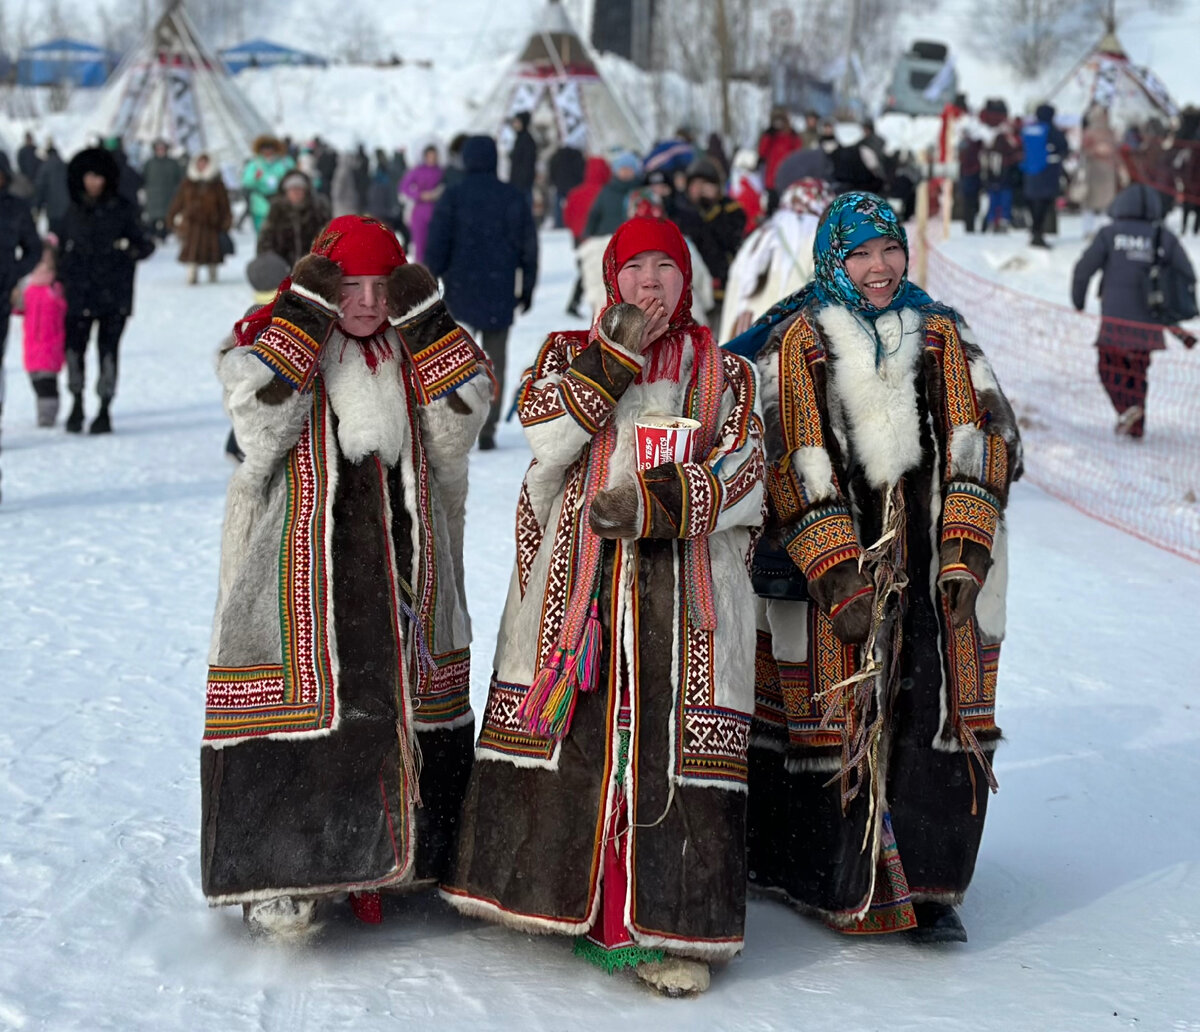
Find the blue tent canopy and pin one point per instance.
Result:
(64, 61)
(261, 53)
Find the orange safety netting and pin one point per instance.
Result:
(1046, 359)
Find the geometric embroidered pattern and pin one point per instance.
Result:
(446, 364)
(289, 351)
(821, 540)
(970, 512)
(298, 696)
(504, 731)
(447, 697)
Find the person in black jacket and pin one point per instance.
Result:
(102, 241)
(20, 249)
(713, 222)
(28, 161)
(480, 238)
(1123, 252)
(566, 170)
(522, 159)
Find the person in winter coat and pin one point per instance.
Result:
(746, 187)
(1001, 175)
(776, 259)
(778, 140)
(483, 244)
(263, 174)
(890, 448)
(338, 723)
(295, 217)
(1123, 252)
(580, 200)
(129, 179)
(1100, 166)
(714, 223)
(1044, 147)
(50, 193)
(344, 194)
(163, 176)
(200, 215)
(566, 170)
(102, 241)
(970, 175)
(28, 161)
(20, 249)
(44, 307)
(608, 209)
(522, 158)
(608, 795)
(382, 198)
(420, 188)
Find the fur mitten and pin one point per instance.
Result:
(964, 567)
(847, 595)
(409, 287)
(319, 279)
(623, 325)
(616, 512)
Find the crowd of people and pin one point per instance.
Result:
(754, 622)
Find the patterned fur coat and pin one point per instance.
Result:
(533, 823)
(919, 443)
(341, 626)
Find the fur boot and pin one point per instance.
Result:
(284, 919)
(675, 976)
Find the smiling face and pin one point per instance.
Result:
(364, 304)
(876, 268)
(651, 275)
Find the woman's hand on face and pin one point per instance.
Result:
(657, 320)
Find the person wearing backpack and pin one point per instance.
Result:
(1124, 252)
(1044, 147)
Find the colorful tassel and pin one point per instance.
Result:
(587, 659)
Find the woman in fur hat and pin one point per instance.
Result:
(263, 175)
(890, 450)
(608, 795)
(338, 728)
(200, 215)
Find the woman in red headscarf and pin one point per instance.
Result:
(608, 796)
(338, 687)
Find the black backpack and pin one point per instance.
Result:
(1172, 297)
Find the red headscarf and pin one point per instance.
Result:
(359, 244)
(644, 233)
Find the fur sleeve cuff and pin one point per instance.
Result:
(970, 513)
(679, 500)
(821, 539)
(595, 381)
(291, 345)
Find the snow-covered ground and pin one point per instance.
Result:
(1084, 913)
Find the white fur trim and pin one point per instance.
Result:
(878, 404)
(527, 762)
(371, 407)
(813, 467)
(417, 309)
(812, 764)
(697, 948)
(445, 725)
(472, 906)
(208, 175)
(308, 892)
(966, 451)
(315, 298)
(788, 623)
(991, 606)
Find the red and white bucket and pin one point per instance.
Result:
(663, 439)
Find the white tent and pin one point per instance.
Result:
(172, 87)
(557, 79)
(1106, 77)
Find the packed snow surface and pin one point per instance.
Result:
(1085, 909)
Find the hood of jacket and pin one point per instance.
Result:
(479, 155)
(1137, 201)
(597, 172)
(1045, 113)
(93, 159)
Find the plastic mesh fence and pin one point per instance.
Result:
(1046, 358)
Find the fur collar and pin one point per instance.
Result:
(874, 409)
(371, 407)
(207, 176)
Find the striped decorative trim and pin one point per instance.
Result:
(503, 731)
(290, 352)
(446, 697)
(445, 365)
(822, 539)
(970, 512)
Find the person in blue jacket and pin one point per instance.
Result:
(1045, 147)
(483, 244)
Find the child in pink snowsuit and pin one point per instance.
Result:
(45, 308)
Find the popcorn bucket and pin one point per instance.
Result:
(663, 439)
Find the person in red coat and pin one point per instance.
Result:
(575, 212)
(776, 143)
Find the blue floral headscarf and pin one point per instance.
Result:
(851, 220)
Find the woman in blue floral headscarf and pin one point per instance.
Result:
(890, 450)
